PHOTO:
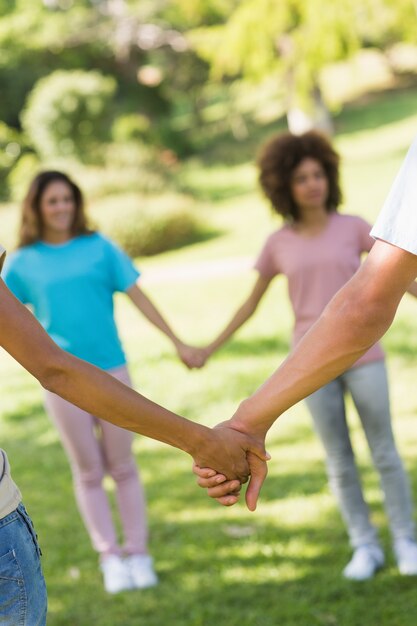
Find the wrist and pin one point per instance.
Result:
(197, 440)
(245, 420)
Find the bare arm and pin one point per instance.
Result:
(244, 312)
(359, 314)
(100, 394)
(192, 357)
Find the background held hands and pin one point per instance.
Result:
(193, 358)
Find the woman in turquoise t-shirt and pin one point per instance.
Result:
(68, 274)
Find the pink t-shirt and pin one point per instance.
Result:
(317, 267)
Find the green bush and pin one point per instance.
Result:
(131, 127)
(147, 229)
(11, 148)
(67, 114)
(20, 176)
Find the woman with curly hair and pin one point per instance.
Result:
(318, 250)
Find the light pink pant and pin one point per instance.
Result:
(95, 448)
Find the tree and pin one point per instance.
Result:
(295, 39)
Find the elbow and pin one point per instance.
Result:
(366, 318)
(54, 372)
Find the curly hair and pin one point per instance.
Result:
(31, 226)
(281, 155)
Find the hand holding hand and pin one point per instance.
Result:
(226, 491)
(228, 450)
(192, 357)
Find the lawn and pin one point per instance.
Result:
(226, 567)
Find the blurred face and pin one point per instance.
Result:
(309, 185)
(57, 208)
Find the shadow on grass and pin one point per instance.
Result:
(218, 567)
(256, 346)
(267, 578)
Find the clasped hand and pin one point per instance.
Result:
(237, 457)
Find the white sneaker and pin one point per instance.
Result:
(115, 573)
(142, 573)
(406, 555)
(366, 560)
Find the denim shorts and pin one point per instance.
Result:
(23, 599)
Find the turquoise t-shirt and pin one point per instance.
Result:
(70, 287)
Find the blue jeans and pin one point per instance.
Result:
(22, 585)
(368, 386)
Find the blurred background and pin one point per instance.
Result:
(157, 108)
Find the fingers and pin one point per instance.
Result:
(205, 472)
(210, 480)
(228, 488)
(229, 500)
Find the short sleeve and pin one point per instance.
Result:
(14, 281)
(266, 263)
(365, 240)
(122, 270)
(397, 221)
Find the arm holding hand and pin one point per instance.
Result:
(99, 393)
(358, 315)
(244, 312)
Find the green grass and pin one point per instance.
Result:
(228, 567)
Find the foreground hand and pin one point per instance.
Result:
(233, 454)
(227, 492)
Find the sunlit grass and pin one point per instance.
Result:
(227, 567)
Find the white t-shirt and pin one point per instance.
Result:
(9, 493)
(397, 221)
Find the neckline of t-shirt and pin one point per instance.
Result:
(319, 235)
(57, 246)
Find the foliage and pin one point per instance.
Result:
(12, 146)
(144, 227)
(67, 113)
(295, 39)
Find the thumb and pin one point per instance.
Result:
(258, 449)
(259, 470)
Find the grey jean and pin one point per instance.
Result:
(368, 387)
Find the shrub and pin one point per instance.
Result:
(20, 176)
(144, 230)
(11, 148)
(67, 113)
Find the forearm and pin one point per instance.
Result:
(148, 309)
(100, 394)
(84, 385)
(241, 316)
(355, 319)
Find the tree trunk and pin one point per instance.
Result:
(308, 113)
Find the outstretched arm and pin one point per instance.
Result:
(358, 315)
(100, 394)
(244, 312)
(192, 357)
